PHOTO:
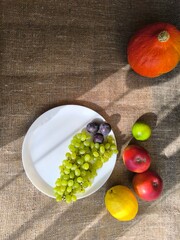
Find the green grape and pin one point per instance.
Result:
(69, 165)
(72, 148)
(73, 141)
(88, 174)
(107, 146)
(88, 136)
(92, 145)
(78, 190)
(96, 145)
(73, 198)
(98, 164)
(107, 155)
(71, 175)
(79, 180)
(110, 138)
(75, 191)
(90, 183)
(68, 198)
(77, 145)
(77, 172)
(64, 182)
(87, 158)
(81, 146)
(61, 168)
(80, 161)
(102, 149)
(58, 182)
(60, 192)
(74, 167)
(85, 166)
(56, 189)
(68, 155)
(70, 183)
(87, 143)
(69, 189)
(93, 173)
(62, 175)
(73, 155)
(80, 166)
(93, 160)
(95, 154)
(115, 151)
(78, 136)
(82, 190)
(76, 185)
(85, 184)
(56, 194)
(83, 137)
(83, 173)
(103, 160)
(82, 151)
(66, 171)
(66, 177)
(113, 147)
(63, 188)
(87, 150)
(64, 162)
(59, 198)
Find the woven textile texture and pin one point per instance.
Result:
(56, 52)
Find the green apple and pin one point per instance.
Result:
(141, 131)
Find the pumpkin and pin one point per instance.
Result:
(154, 50)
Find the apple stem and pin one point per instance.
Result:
(155, 184)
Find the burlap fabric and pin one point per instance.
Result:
(57, 52)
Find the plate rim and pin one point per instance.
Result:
(27, 172)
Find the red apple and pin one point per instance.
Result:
(136, 158)
(148, 185)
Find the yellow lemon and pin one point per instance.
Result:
(121, 203)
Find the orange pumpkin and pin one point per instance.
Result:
(154, 50)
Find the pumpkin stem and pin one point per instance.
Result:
(163, 36)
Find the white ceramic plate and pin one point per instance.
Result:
(46, 144)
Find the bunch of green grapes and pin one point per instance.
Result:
(81, 164)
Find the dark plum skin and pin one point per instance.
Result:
(92, 127)
(98, 138)
(105, 128)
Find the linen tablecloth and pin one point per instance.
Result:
(62, 52)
